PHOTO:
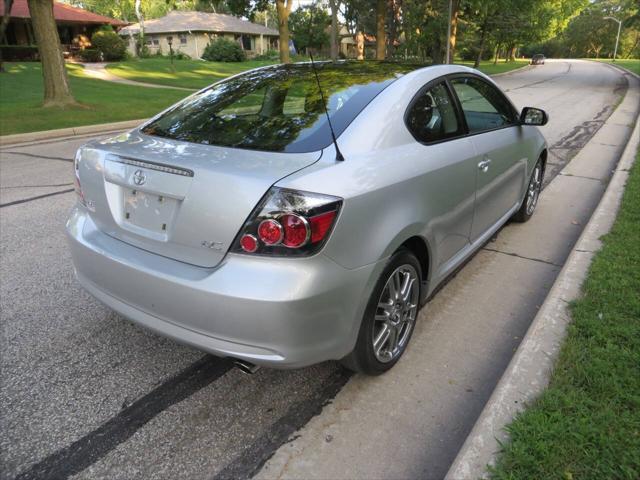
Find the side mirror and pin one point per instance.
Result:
(533, 116)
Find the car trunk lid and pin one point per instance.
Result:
(181, 200)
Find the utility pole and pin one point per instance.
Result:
(615, 50)
(449, 32)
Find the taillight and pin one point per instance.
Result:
(289, 223)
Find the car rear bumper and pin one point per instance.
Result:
(284, 313)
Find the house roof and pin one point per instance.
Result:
(177, 21)
(62, 13)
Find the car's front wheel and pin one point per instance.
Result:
(389, 318)
(531, 196)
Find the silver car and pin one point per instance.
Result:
(280, 224)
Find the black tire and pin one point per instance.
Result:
(400, 319)
(527, 209)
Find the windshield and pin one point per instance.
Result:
(278, 108)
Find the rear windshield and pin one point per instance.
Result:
(278, 108)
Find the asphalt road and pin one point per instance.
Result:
(85, 394)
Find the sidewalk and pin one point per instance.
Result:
(99, 71)
(530, 369)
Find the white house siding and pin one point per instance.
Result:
(195, 43)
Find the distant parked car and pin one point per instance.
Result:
(537, 59)
(231, 222)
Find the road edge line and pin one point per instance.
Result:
(61, 133)
(529, 371)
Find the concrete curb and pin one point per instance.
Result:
(530, 368)
(68, 132)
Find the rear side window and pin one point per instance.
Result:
(484, 107)
(432, 116)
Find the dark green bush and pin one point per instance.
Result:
(110, 44)
(222, 50)
(90, 55)
(19, 52)
(268, 55)
(181, 56)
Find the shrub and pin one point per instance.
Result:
(181, 56)
(222, 50)
(110, 44)
(268, 55)
(90, 55)
(19, 53)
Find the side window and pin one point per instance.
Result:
(484, 107)
(432, 116)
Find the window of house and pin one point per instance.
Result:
(183, 39)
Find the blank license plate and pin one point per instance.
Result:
(149, 211)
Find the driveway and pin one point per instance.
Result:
(85, 394)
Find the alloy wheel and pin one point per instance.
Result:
(533, 192)
(396, 313)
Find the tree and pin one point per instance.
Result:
(56, 83)
(334, 39)
(381, 33)
(455, 11)
(140, 17)
(308, 27)
(283, 7)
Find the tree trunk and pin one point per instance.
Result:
(395, 7)
(56, 83)
(334, 29)
(455, 10)
(284, 9)
(495, 60)
(381, 34)
(140, 17)
(483, 38)
(3, 25)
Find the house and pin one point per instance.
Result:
(190, 33)
(75, 25)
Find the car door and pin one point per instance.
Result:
(493, 127)
(448, 164)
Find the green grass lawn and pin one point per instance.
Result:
(199, 74)
(489, 68)
(586, 425)
(21, 98)
(102, 102)
(632, 64)
(186, 73)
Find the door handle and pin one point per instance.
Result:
(484, 165)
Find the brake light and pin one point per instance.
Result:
(270, 232)
(289, 223)
(249, 243)
(320, 225)
(296, 230)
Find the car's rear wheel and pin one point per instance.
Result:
(389, 318)
(532, 195)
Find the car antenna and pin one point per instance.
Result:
(339, 156)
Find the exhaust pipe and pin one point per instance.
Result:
(246, 367)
